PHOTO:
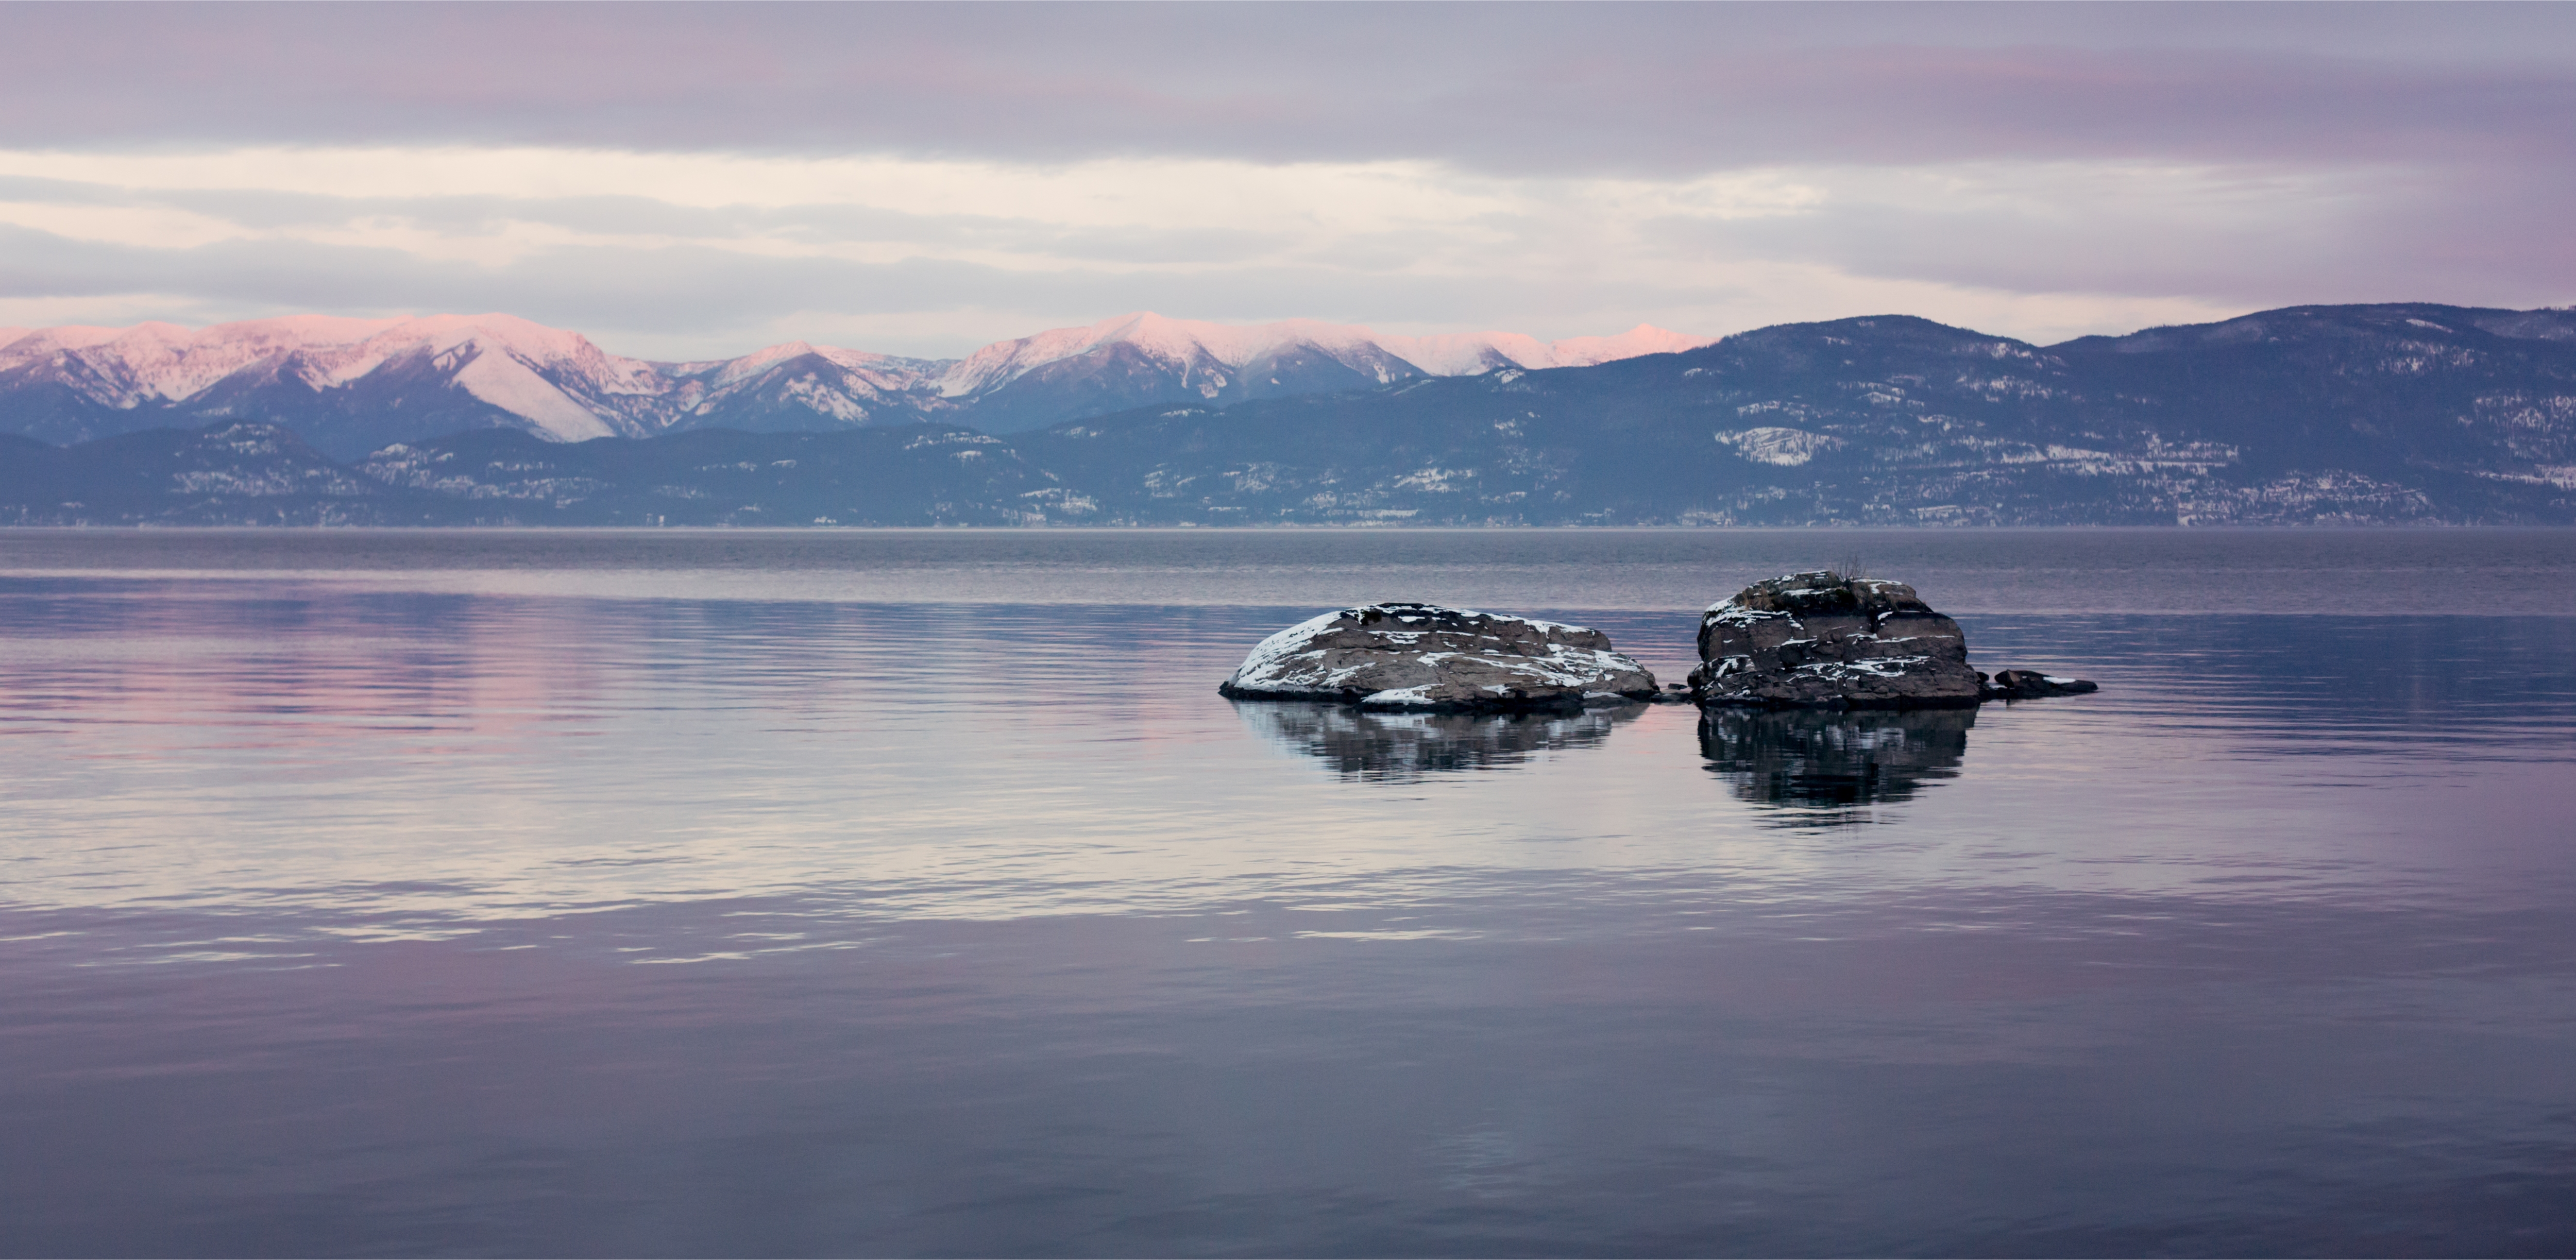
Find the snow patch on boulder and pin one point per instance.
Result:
(1424, 657)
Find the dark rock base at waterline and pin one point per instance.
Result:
(2011, 684)
(2030, 684)
(1846, 704)
(1559, 702)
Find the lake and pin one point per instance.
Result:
(914, 893)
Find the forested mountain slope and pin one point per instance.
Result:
(2317, 414)
(2312, 415)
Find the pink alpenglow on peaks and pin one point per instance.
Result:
(60, 337)
(1644, 339)
(1240, 345)
(157, 361)
(546, 379)
(357, 377)
(1471, 354)
(1176, 342)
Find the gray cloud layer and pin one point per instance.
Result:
(2199, 157)
(1518, 88)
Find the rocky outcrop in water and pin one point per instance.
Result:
(2030, 684)
(1821, 640)
(1426, 658)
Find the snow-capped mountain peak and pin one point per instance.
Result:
(1180, 342)
(556, 381)
(525, 340)
(1469, 354)
(350, 384)
(37, 341)
(169, 362)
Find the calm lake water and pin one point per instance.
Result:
(915, 893)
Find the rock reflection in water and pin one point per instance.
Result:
(1810, 759)
(1402, 747)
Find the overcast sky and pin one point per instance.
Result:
(685, 182)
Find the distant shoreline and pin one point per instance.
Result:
(2403, 414)
(1288, 527)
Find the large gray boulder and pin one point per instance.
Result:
(1426, 658)
(1824, 641)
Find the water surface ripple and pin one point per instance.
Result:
(915, 893)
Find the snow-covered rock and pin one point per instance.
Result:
(1823, 640)
(1425, 657)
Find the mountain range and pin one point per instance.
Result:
(350, 386)
(2319, 414)
(2382, 414)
